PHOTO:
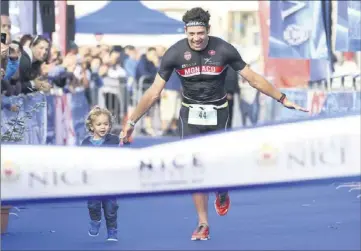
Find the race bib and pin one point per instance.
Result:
(202, 115)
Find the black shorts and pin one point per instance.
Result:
(186, 130)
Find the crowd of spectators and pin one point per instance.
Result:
(32, 64)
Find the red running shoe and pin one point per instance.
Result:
(201, 233)
(222, 203)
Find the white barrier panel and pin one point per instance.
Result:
(301, 151)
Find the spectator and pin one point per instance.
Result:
(5, 29)
(7, 72)
(5, 24)
(148, 65)
(13, 59)
(5, 50)
(54, 71)
(26, 40)
(130, 66)
(95, 80)
(131, 62)
(115, 70)
(30, 65)
(10, 54)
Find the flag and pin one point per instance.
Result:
(284, 72)
(297, 30)
(348, 34)
(21, 16)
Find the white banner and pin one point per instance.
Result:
(310, 150)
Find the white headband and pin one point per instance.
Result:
(195, 23)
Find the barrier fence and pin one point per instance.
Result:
(40, 119)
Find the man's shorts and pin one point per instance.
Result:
(186, 129)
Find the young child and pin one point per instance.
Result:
(99, 123)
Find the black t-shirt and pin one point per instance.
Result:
(202, 72)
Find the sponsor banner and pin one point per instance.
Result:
(79, 111)
(36, 123)
(341, 102)
(286, 73)
(23, 119)
(297, 30)
(318, 102)
(38, 119)
(70, 112)
(282, 113)
(50, 103)
(348, 31)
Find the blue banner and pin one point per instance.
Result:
(297, 30)
(282, 113)
(35, 107)
(348, 31)
(34, 118)
(317, 101)
(24, 119)
(50, 101)
(341, 102)
(79, 111)
(319, 69)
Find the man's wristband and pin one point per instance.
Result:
(131, 123)
(282, 98)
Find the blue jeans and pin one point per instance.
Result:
(110, 208)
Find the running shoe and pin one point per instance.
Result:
(112, 235)
(94, 227)
(222, 203)
(201, 233)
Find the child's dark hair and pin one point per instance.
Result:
(197, 14)
(95, 112)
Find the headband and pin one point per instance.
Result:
(195, 23)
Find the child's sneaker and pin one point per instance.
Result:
(112, 235)
(94, 228)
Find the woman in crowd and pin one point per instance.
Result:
(30, 65)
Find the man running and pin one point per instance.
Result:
(200, 61)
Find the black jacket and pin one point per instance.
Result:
(110, 140)
(145, 68)
(28, 71)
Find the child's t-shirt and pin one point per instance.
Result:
(97, 142)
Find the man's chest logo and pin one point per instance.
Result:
(200, 70)
(187, 55)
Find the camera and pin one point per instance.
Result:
(3, 38)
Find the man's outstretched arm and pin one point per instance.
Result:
(261, 84)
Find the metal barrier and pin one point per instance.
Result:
(342, 81)
(139, 88)
(143, 84)
(114, 96)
